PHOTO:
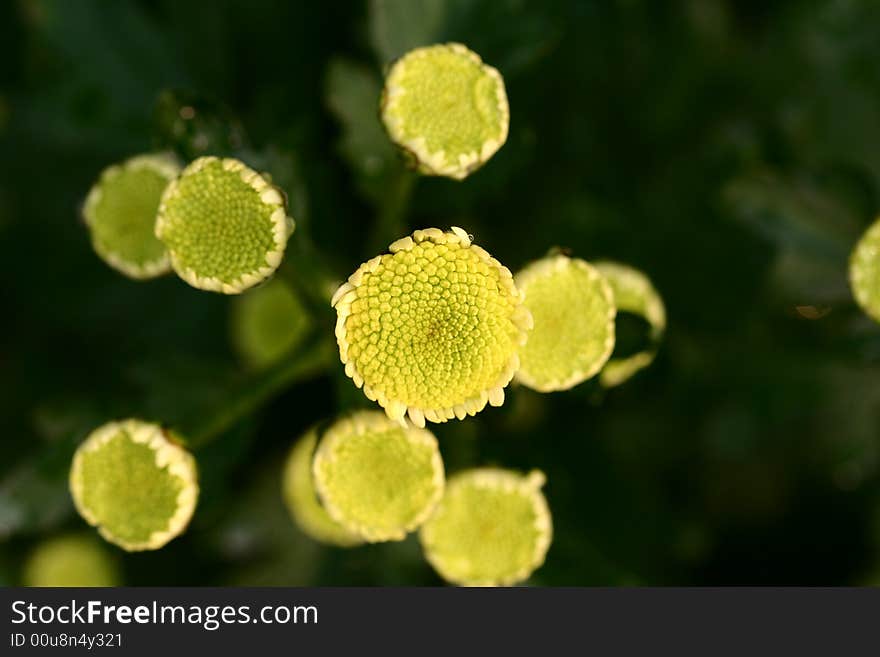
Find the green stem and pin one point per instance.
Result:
(391, 220)
(310, 358)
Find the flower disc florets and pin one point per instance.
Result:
(433, 328)
(573, 309)
(445, 108)
(120, 212)
(225, 225)
(377, 479)
(134, 484)
(491, 528)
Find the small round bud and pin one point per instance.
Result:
(133, 483)
(573, 309)
(71, 560)
(492, 528)
(633, 293)
(864, 271)
(224, 225)
(432, 329)
(267, 323)
(446, 109)
(120, 212)
(298, 489)
(377, 479)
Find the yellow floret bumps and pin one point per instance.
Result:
(433, 328)
(225, 226)
(120, 212)
(377, 479)
(573, 309)
(446, 109)
(132, 481)
(492, 528)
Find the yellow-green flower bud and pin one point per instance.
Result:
(120, 212)
(492, 528)
(135, 484)
(433, 328)
(864, 271)
(573, 309)
(376, 478)
(298, 489)
(267, 323)
(225, 226)
(72, 560)
(633, 293)
(446, 109)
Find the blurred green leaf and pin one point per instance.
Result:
(35, 497)
(397, 26)
(353, 94)
(511, 35)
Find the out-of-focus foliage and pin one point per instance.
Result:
(267, 323)
(728, 149)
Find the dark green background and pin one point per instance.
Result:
(729, 149)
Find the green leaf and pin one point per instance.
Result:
(352, 93)
(397, 26)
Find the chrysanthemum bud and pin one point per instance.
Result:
(134, 484)
(573, 309)
(267, 323)
(864, 271)
(225, 226)
(299, 495)
(633, 293)
(377, 479)
(491, 528)
(120, 212)
(71, 560)
(446, 109)
(433, 328)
